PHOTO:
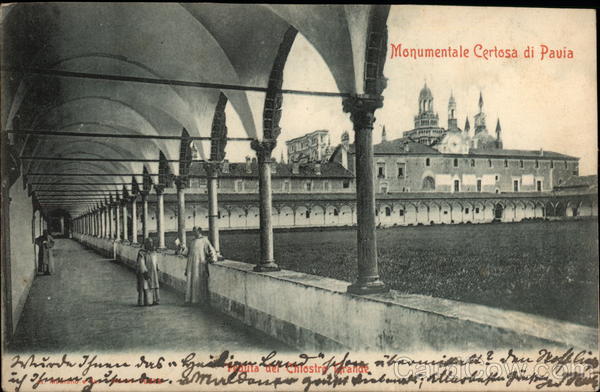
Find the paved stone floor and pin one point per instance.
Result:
(90, 303)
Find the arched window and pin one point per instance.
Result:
(428, 183)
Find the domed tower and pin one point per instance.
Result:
(426, 117)
(425, 100)
(452, 120)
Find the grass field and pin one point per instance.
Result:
(546, 268)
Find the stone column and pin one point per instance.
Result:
(117, 222)
(181, 184)
(111, 225)
(160, 217)
(134, 219)
(124, 207)
(362, 110)
(145, 228)
(102, 222)
(263, 151)
(213, 205)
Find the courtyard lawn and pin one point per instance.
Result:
(546, 268)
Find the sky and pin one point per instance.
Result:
(549, 104)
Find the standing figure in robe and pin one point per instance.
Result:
(200, 253)
(141, 270)
(152, 265)
(45, 242)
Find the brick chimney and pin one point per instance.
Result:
(248, 165)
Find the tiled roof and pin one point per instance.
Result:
(400, 146)
(397, 146)
(238, 170)
(520, 153)
(580, 182)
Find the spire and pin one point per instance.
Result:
(480, 102)
(383, 135)
(452, 121)
(281, 161)
(498, 134)
(467, 125)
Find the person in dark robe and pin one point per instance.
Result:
(45, 242)
(141, 270)
(152, 267)
(200, 253)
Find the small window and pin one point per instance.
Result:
(388, 211)
(538, 185)
(308, 185)
(478, 185)
(427, 162)
(477, 210)
(401, 172)
(490, 163)
(497, 178)
(466, 210)
(551, 164)
(565, 164)
(455, 162)
(521, 163)
(346, 184)
(506, 163)
(381, 170)
(401, 212)
(537, 164)
(335, 212)
(472, 162)
(456, 186)
(326, 185)
(515, 185)
(307, 214)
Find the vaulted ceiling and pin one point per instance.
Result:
(211, 43)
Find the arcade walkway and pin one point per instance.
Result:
(89, 304)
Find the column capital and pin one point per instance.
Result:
(362, 109)
(181, 182)
(160, 189)
(213, 169)
(263, 148)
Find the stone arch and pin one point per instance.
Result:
(499, 211)
(428, 184)
(286, 216)
(346, 215)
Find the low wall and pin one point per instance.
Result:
(312, 312)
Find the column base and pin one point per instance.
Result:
(269, 266)
(368, 287)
